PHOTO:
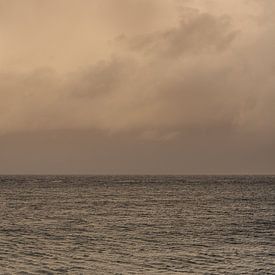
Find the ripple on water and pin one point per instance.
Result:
(137, 225)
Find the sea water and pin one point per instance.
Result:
(137, 225)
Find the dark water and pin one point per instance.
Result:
(137, 225)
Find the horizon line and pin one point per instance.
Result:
(138, 174)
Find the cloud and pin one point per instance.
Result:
(195, 34)
(206, 72)
(137, 86)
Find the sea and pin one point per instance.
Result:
(137, 225)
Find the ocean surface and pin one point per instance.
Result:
(137, 225)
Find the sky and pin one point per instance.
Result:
(137, 87)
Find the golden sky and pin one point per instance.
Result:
(137, 86)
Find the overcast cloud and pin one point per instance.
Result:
(149, 71)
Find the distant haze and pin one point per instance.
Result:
(137, 87)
